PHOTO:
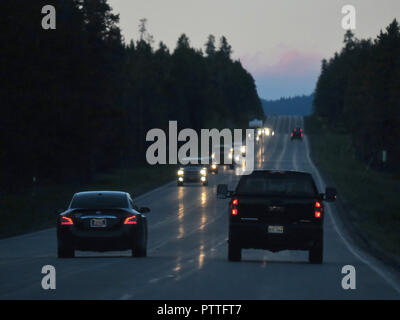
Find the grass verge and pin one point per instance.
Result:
(371, 198)
(27, 212)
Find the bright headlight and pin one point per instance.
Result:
(258, 138)
(214, 166)
(243, 149)
(203, 172)
(266, 131)
(230, 155)
(180, 172)
(203, 178)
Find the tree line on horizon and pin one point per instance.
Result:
(78, 100)
(358, 92)
(296, 105)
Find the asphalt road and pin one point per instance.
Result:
(188, 251)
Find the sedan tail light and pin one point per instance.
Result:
(66, 221)
(130, 220)
(234, 212)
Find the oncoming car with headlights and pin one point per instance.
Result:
(102, 221)
(193, 173)
(222, 155)
(237, 153)
(269, 132)
(213, 167)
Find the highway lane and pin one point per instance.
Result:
(188, 250)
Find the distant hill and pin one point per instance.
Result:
(298, 105)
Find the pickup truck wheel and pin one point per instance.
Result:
(234, 252)
(315, 254)
(65, 252)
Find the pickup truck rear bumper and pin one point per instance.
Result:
(295, 236)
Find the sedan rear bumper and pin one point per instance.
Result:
(98, 240)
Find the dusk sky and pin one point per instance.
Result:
(281, 43)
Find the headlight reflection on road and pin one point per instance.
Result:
(178, 266)
(203, 203)
(259, 156)
(181, 213)
(201, 256)
(203, 198)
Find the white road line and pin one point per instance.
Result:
(366, 260)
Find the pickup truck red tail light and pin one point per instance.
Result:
(130, 220)
(234, 211)
(66, 221)
(318, 209)
(291, 134)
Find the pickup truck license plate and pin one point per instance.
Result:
(98, 223)
(275, 229)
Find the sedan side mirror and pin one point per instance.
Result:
(144, 209)
(330, 194)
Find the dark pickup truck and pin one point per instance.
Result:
(276, 210)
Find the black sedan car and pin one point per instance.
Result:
(102, 221)
(276, 210)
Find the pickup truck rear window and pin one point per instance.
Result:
(277, 185)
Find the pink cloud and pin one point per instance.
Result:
(282, 61)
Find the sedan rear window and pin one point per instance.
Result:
(99, 201)
(277, 185)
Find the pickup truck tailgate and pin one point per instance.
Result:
(283, 211)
